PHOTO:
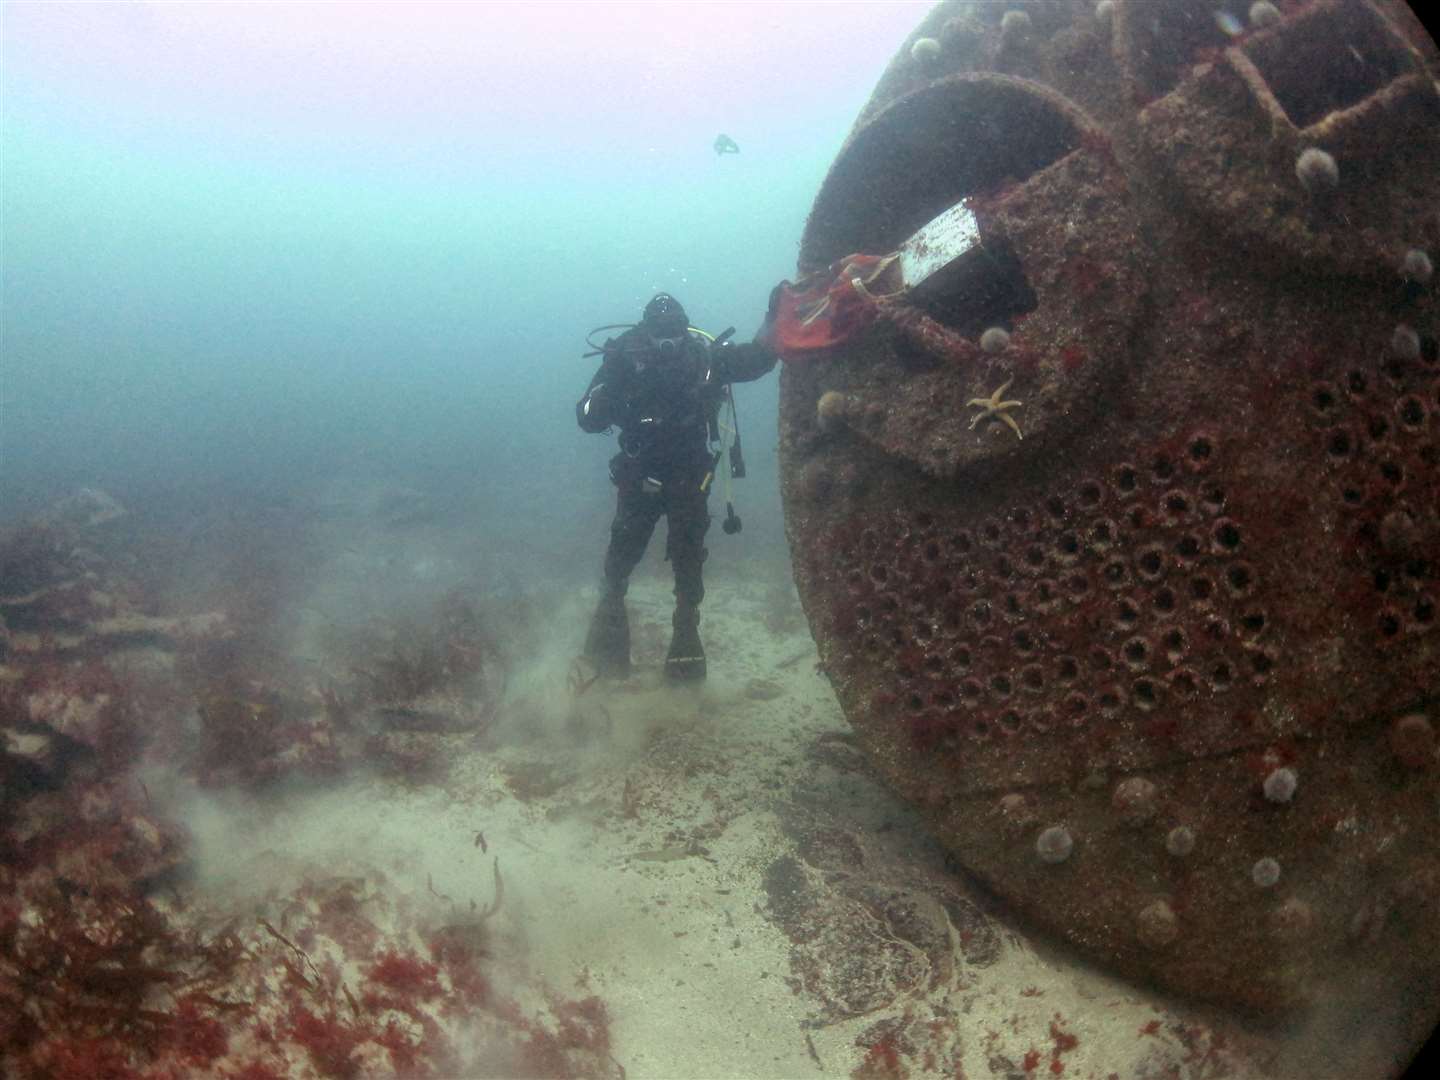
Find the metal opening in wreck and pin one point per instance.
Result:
(971, 139)
(1348, 42)
(989, 291)
(1164, 39)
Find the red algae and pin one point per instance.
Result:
(108, 978)
(253, 1071)
(200, 1039)
(404, 1053)
(407, 974)
(330, 1043)
(1072, 358)
(881, 1062)
(1063, 1039)
(584, 1024)
(87, 1059)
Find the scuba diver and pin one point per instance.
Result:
(662, 383)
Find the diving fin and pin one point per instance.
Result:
(607, 645)
(685, 661)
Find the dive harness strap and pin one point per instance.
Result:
(717, 430)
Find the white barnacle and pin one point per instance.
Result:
(1054, 845)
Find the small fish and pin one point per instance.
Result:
(726, 145)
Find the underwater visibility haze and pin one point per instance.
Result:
(1053, 694)
(267, 245)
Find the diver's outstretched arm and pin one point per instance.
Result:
(745, 363)
(741, 363)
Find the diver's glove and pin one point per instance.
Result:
(765, 336)
(717, 367)
(596, 411)
(607, 404)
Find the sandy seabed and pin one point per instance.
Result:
(620, 879)
(652, 842)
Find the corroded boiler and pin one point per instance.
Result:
(1159, 660)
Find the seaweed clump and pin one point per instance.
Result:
(107, 970)
(455, 652)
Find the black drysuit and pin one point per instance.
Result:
(663, 403)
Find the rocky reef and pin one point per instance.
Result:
(112, 963)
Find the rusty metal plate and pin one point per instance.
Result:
(1165, 671)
